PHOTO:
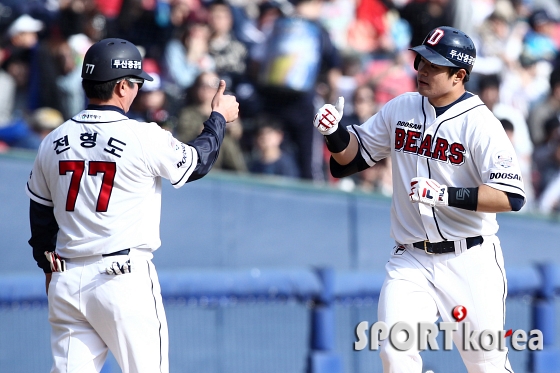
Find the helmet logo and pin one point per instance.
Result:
(89, 68)
(126, 64)
(435, 37)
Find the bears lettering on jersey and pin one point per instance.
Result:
(439, 149)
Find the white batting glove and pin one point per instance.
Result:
(327, 118)
(119, 269)
(428, 192)
(57, 263)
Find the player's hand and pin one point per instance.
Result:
(327, 118)
(226, 105)
(428, 191)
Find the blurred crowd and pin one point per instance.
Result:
(283, 59)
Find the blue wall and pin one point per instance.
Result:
(224, 221)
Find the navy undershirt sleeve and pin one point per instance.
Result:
(516, 201)
(207, 144)
(44, 230)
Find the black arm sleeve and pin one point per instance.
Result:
(358, 164)
(44, 230)
(516, 201)
(207, 145)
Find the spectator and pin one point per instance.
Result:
(539, 40)
(509, 128)
(299, 54)
(268, 157)
(250, 103)
(377, 179)
(546, 157)
(550, 199)
(44, 120)
(185, 57)
(364, 106)
(59, 77)
(489, 93)
(22, 44)
(14, 76)
(368, 33)
(347, 83)
(8, 91)
(22, 33)
(137, 22)
(198, 106)
(230, 55)
(390, 77)
(151, 103)
(545, 109)
(499, 43)
(340, 18)
(424, 16)
(269, 12)
(526, 85)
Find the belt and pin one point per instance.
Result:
(121, 252)
(445, 246)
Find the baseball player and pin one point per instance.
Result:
(453, 169)
(95, 209)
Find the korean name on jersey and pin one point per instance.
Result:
(102, 173)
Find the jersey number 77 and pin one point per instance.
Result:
(108, 169)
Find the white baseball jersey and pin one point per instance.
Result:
(102, 173)
(464, 147)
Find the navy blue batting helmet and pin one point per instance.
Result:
(111, 59)
(447, 46)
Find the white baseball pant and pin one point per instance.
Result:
(91, 311)
(419, 287)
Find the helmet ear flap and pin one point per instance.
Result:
(417, 61)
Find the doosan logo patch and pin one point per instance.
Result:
(504, 175)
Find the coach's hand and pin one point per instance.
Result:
(327, 118)
(226, 105)
(48, 277)
(428, 191)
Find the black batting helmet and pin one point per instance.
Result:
(111, 59)
(447, 46)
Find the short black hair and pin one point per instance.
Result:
(554, 78)
(218, 2)
(550, 125)
(265, 120)
(101, 90)
(508, 126)
(488, 81)
(455, 70)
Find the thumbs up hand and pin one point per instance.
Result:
(327, 118)
(226, 105)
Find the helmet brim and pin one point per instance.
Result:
(433, 57)
(145, 76)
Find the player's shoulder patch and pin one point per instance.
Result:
(174, 143)
(503, 159)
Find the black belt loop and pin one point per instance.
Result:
(121, 252)
(446, 246)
